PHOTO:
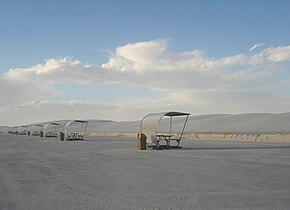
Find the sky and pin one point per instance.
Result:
(120, 60)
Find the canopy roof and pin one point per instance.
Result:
(51, 129)
(22, 126)
(174, 114)
(149, 124)
(37, 125)
(52, 123)
(76, 133)
(169, 114)
(74, 121)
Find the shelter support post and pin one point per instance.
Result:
(182, 129)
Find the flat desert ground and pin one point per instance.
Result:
(110, 173)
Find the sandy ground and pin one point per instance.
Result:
(251, 123)
(109, 173)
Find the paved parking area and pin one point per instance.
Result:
(109, 173)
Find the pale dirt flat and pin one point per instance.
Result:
(109, 173)
(251, 123)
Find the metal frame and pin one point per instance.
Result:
(34, 132)
(13, 130)
(152, 122)
(53, 133)
(10, 130)
(78, 135)
(22, 131)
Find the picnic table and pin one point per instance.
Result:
(75, 135)
(166, 137)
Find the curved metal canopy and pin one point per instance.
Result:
(52, 132)
(22, 130)
(75, 133)
(36, 132)
(149, 126)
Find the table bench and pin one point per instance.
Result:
(167, 138)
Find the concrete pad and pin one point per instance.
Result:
(110, 173)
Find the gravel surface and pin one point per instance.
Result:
(109, 173)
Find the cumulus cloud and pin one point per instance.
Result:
(191, 81)
(54, 71)
(138, 57)
(189, 70)
(271, 55)
(151, 64)
(278, 54)
(154, 56)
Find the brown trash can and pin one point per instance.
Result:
(41, 133)
(28, 133)
(61, 136)
(141, 141)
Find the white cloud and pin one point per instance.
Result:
(255, 46)
(154, 56)
(278, 54)
(54, 71)
(192, 81)
(138, 57)
(151, 64)
(271, 56)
